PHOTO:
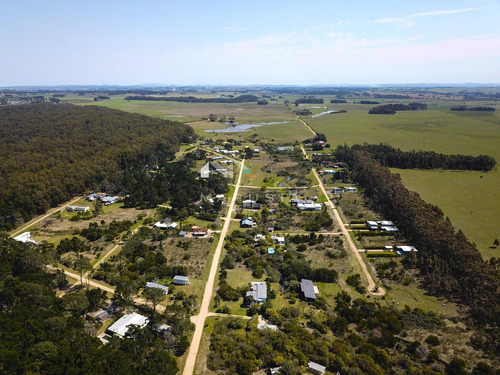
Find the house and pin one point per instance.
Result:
(78, 208)
(251, 204)
(308, 290)
(280, 149)
(205, 171)
(258, 237)
(150, 284)
(274, 371)
(350, 189)
(385, 223)
(371, 223)
(258, 292)
(315, 368)
(273, 210)
(278, 240)
(165, 224)
(122, 325)
(219, 197)
(270, 229)
(94, 197)
(181, 280)
(25, 238)
(309, 206)
(389, 229)
(107, 200)
(248, 223)
(337, 190)
(329, 171)
(100, 316)
(405, 249)
(199, 231)
(182, 234)
(267, 326)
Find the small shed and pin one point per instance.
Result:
(182, 233)
(181, 280)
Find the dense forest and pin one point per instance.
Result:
(43, 334)
(50, 153)
(193, 99)
(392, 157)
(390, 109)
(450, 264)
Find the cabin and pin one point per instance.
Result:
(315, 368)
(181, 280)
(199, 231)
(337, 190)
(258, 291)
(122, 325)
(350, 189)
(309, 290)
(151, 284)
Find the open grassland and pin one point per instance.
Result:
(469, 200)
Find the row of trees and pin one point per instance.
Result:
(450, 264)
(390, 109)
(192, 99)
(479, 108)
(392, 157)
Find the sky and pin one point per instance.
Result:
(55, 42)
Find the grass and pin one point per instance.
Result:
(470, 199)
(471, 202)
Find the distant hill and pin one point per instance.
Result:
(49, 153)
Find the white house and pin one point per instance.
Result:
(150, 284)
(278, 240)
(181, 280)
(122, 325)
(78, 208)
(25, 238)
(316, 368)
(350, 189)
(337, 190)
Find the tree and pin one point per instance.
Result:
(496, 242)
(154, 295)
(82, 264)
(212, 117)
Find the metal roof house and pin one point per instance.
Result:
(122, 325)
(315, 368)
(181, 280)
(308, 290)
(150, 284)
(258, 292)
(25, 238)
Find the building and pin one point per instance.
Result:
(94, 197)
(258, 292)
(165, 224)
(308, 290)
(78, 208)
(182, 234)
(309, 206)
(107, 200)
(315, 368)
(329, 171)
(385, 223)
(150, 284)
(371, 223)
(122, 325)
(205, 171)
(405, 249)
(181, 280)
(337, 190)
(199, 231)
(267, 326)
(279, 240)
(259, 237)
(25, 238)
(280, 149)
(350, 189)
(248, 203)
(248, 223)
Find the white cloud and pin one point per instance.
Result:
(233, 29)
(443, 12)
(389, 20)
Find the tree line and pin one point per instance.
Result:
(193, 99)
(478, 109)
(392, 157)
(50, 153)
(451, 266)
(390, 109)
(309, 101)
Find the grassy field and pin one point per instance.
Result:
(471, 201)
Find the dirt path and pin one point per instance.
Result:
(90, 282)
(371, 284)
(37, 220)
(199, 321)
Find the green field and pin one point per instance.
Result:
(471, 201)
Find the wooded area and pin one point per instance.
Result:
(50, 153)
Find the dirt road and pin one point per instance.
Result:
(199, 321)
(37, 220)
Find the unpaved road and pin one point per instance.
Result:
(199, 320)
